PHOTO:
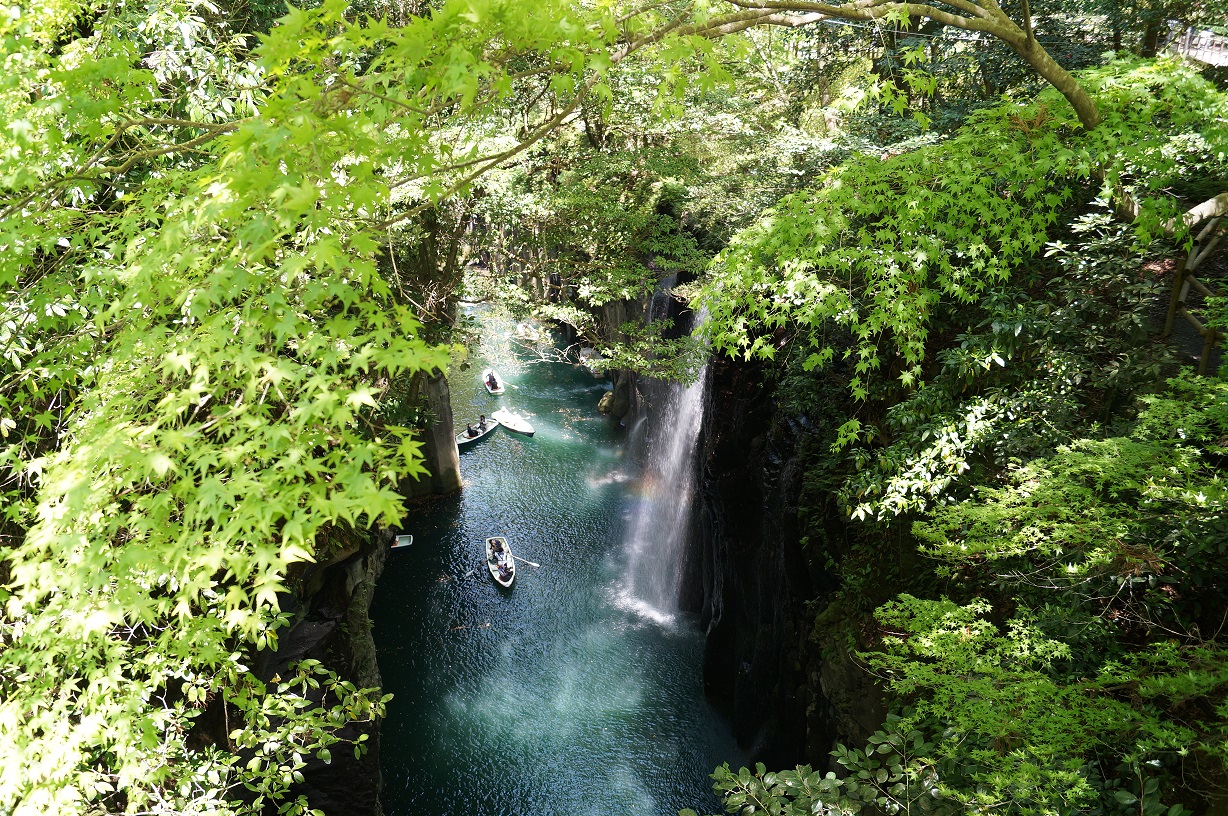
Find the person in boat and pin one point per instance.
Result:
(491, 381)
(469, 430)
(482, 422)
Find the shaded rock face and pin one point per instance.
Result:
(749, 581)
(624, 399)
(331, 625)
(789, 698)
(439, 444)
(614, 315)
(627, 401)
(624, 403)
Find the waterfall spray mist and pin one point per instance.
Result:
(657, 538)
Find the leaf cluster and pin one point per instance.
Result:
(882, 245)
(1066, 346)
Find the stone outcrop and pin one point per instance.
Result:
(624, 399)
(439, 444)
(789, 695)
(624, 402)
(331, 624)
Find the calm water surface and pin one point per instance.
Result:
(563, 695)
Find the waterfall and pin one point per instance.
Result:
(657, 535)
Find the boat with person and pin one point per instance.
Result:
(401, 542)
(513, 421)
(492, 381)
(500, 561)
(475, 431)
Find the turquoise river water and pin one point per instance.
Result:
(566, 694)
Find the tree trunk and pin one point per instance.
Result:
(1057, 76)
(1151, 38)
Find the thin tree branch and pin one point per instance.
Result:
(869, 10)
(162, 151)
(644, 9)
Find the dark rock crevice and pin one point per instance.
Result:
(331, 624)
(790, 692)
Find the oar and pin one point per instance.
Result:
(525, 560)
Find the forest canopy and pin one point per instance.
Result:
(205, 338)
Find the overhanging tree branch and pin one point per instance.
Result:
(987, 17)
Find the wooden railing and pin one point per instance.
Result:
(1184, 281)
(1204, 46)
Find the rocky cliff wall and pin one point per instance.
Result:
(624, 400)
(442, 460)
(790, 693)
(331, 624)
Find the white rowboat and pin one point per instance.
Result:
(402, 542)
(501, 563)
(464, 440)
(513, 422)
(488, 376)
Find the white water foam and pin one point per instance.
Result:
(658, 535)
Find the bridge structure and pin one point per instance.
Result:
(1179, 306)
(1202, 46)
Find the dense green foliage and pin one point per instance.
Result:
(224, 256)
(1057, 649)
(196, 340)
(1085, 671)
(873, 250)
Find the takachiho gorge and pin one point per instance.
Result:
(579, 689)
